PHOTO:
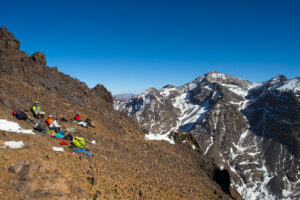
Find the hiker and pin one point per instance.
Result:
(54, 125)
(36, 111)
(77, 117)
(90, 122)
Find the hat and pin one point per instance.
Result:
(50, 116)
(78, 113)
(36, 102)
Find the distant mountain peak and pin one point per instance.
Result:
(238, 123)
(277, 79)
(168, 86)
(124, 96)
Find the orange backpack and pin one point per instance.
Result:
(49, 121)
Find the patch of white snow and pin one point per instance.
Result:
(290, 85)
(14, 144)
(10, 126)
(58, 148)
(165, 137)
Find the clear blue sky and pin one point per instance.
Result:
(131, 45)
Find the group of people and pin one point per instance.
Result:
(53, 126)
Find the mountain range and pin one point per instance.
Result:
(125, 96)
(250, 129)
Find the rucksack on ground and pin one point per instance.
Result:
(39, 127)
(79, 142)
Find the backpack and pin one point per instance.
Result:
(49, 121)
(39, 127)
(21, 115)
(79, 142)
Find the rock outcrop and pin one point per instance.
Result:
(7, 40)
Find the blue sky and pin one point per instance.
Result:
(132, 45)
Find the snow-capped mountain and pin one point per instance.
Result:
(124, 96)
(250, 129)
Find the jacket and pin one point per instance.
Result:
(36, 108)
(77, 117)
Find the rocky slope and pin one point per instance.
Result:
(124, 165)
(250, 129)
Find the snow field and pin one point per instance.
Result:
(10, 126)
(13, 144)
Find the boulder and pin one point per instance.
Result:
(39, 58)
(20, 168)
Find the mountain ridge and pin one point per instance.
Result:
(229, 117)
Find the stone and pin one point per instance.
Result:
(20, 168)
(39, 58)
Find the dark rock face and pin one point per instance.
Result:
(101, 91)
(222, 177)
(39, 57)
(250, 129)
(7, 40)
(33, 69)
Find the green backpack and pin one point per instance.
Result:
(79, 142)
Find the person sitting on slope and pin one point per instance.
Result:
(89, 122)
(36, 111)
(77, 117)
(54, 125)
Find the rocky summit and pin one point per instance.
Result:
(123, 164)
(250, 129)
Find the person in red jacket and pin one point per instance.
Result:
(77, 116)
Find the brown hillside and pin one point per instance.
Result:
(124, 165)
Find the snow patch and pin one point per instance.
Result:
(236, 89)
(166, 91)
(190, 113)
(14, 144)
(58, 148)
(165, 137)
(290, 85)
(10, 126)
(211, 143)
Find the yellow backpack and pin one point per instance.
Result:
(79, 142)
